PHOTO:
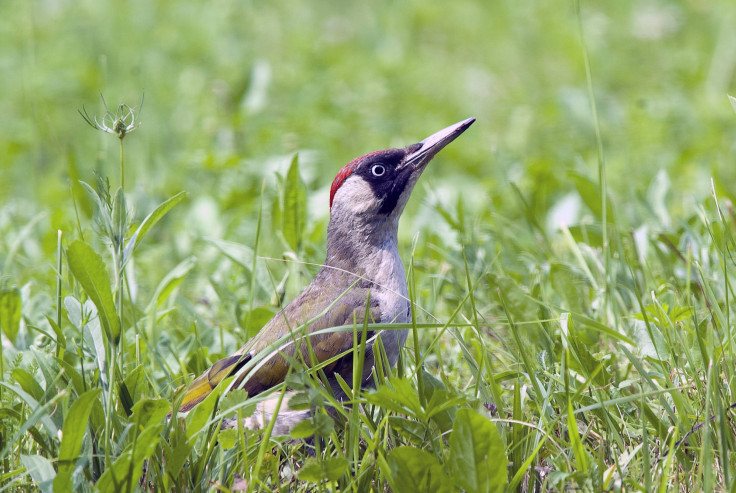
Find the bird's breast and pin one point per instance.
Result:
(386, 274)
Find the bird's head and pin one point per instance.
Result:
(378, 185)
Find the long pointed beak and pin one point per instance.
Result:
(433, 144)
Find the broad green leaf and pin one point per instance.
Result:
(315, 470)
(574, 435)
(294, 210)
(135, 383)
(243, 256)
(71, 374)
(410, 429)
(323, 424)
(125, 399)
(81, 200)
(235, 401)
(150, 412)
(228, 438)
(237, 252)
(88, 268)
(589, 191)
(319, 424)
(303, 429)
(477, 455)
(94, 331)
(75, 423)
(590, 234)
(47, 364)
(587, 364)
(440, 403)
(649, 341)
(590, 323)
(10, 310)
(176, 451)
(276, 212)
(118, 477)
(299, 401)
(398, 395)
(414, 470)
(149, 222)
(84, 317)
(28, 382)
(58, 332)
(171, 281)
(41, 471)
(569, 286)
(74, 311)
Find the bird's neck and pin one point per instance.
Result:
(366, 248)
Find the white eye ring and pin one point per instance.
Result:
(378, 170)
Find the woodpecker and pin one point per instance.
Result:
(362, 273)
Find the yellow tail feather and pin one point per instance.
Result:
(205, 383)
(197, 391)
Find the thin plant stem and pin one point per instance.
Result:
(415, 334)
(602, 182)
(76, 212)
(120, 266)
(2, 371)
(254, 265)
(59, 349)
(122, 165)
(108, 415)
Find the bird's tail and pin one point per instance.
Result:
(285, 417)
(197, 391)
(266, 410)
(206, 383)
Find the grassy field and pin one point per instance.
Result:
(569, 257)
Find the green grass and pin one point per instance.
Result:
(570, 256)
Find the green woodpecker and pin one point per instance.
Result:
(362, 274)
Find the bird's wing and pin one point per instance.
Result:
(313, 305)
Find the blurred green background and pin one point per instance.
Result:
(234, 88)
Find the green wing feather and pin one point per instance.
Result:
(310, 304)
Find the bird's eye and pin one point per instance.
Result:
(378, 170)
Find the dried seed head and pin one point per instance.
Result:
(120, 123)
